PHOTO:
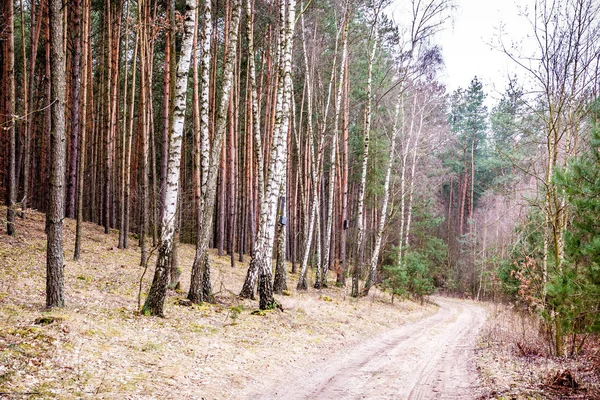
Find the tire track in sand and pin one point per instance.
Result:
(428, 359)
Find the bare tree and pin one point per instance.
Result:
(200, 278)
(567, 39)
(154, 304)
(276, 175)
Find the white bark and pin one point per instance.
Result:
(386, 197)
(155, 301)
(411, 187)
(277, 169)
(334, 145)
(200, 279)
(316, 164)
(302, 285)
(363, 180)
(260, 179)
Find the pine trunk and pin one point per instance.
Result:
(83, 133)
(10, 110)
(55, 215)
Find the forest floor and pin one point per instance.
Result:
(515, 360)
(324, 345)
(100, 347)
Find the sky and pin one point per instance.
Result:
(468, 42)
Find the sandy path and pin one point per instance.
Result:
(429, 359)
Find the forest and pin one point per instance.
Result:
(311, 146)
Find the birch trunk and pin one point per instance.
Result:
(262, 255)
(403, 166)
(200, 287)
(411, 187)
(280, 281)
(384, 207)
(154, 304)
(360, 242)
(333, 167)
(315, 164)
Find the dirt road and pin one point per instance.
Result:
(429, 359)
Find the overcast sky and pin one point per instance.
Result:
(468, 39)
(467, 44)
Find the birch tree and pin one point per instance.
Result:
(360, 240)
(563, 70)
(316, 161)
(334, 149)
(386, 196)
(427, 19)
(260, 264)
(154, 304)
(200, 287)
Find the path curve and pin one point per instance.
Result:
(432, 358)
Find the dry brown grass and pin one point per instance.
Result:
(515, 361)
(100, 347)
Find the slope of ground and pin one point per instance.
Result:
(514, 361)
(99, 347)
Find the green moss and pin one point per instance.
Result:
(150, 346)
(199, 328)
(47, 320)
(261, 313)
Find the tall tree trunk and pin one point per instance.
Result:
(169, 64)
(82, 134)
(154, 304)
(248, 288)
(360, 241)
(280, 281)
(127, 200)
(384, 206)
(55, 215)
(26, 121)
(124, 126)
(35, 35)
(143, 226)
(75, 8)
(10, 110)
(108, 25)
(344, 158)
(263, 248)
(315, 164)
(334, 150)
(200, 289)
(411, 184)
